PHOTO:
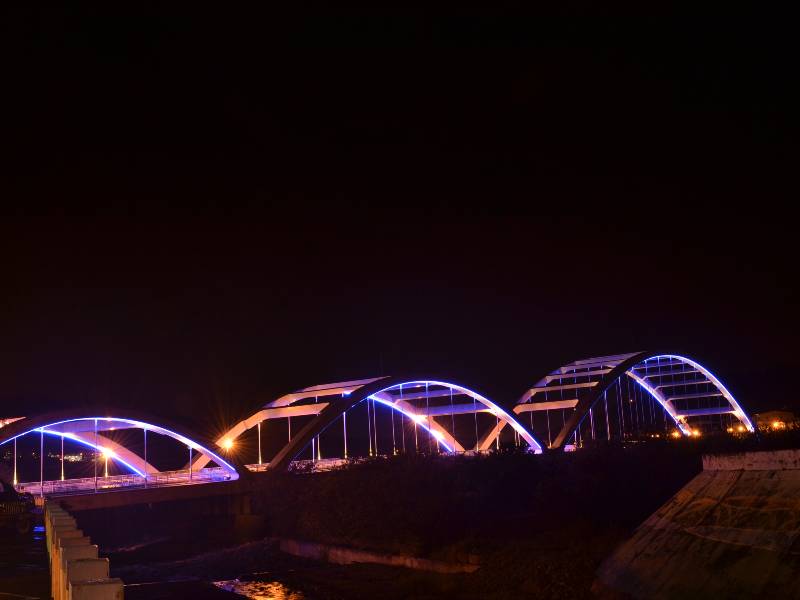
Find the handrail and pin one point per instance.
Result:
(112, 482)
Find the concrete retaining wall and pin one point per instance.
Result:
(777, 460)
(76, 572)
(344, 556)
(732, 532)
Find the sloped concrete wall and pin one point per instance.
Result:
(729, 533)
(779, 460)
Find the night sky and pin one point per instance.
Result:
(205, 211)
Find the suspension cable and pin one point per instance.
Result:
(369, 428)
(428, 412)
(394, 444)
(475, 418)
(402, 425)
(452, 421)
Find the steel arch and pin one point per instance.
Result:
(284, 407)
(75, 425)
(374, 389)
(603, 371)
(346, 395)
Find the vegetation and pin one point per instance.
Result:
(539, 524)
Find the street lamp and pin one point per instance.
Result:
(107, 453)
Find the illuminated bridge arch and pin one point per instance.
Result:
(627, 396)
(119, 437)
(427, 408)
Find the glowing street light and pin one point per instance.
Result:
(227, 443)
(107, 453)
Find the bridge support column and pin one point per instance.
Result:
(41, 462)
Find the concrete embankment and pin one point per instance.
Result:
(733, 532)
(341, 555)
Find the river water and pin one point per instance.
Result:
(24, 571)
(260, 590)
(25, 575)
(169, 572)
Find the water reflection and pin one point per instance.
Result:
(260, 590)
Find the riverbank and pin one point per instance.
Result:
(519, 573)
(447, 508)
(282, 577)
(539, 526)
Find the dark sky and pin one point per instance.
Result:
(208, 210)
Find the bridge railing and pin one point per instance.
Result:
(330, 464)
(87, 484)
(307, 466)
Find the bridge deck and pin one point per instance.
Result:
(114, 482)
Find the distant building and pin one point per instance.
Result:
(776, 419)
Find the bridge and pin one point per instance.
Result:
(633, 397)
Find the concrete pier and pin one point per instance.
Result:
(82, 570)
(101, 589)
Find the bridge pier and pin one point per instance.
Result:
(211, 513)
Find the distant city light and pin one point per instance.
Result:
(676, 434)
